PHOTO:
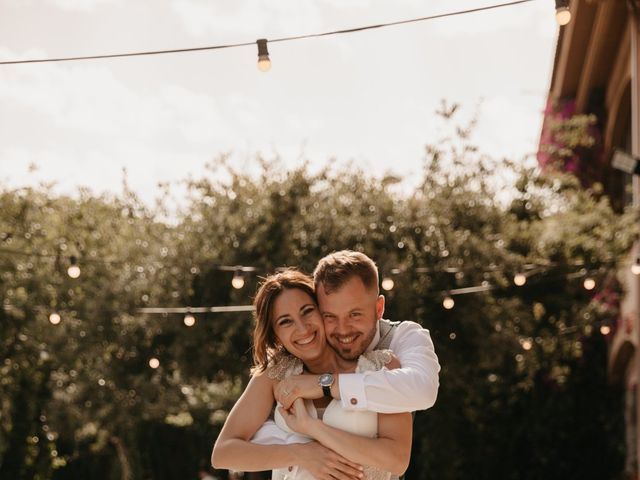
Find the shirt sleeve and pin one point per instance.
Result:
(412, 387)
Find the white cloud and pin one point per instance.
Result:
(80, 5)
(248, 18)
(538, 17)
(90, 99)
(509, 125)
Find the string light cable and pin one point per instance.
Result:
(275, 40)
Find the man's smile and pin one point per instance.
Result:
(346, 339)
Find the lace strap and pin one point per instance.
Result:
(374, 360)
(283, 366)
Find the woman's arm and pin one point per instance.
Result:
(233, 449)
(390, 451)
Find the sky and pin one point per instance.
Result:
(368, 98)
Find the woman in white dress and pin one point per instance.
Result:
(289, 339)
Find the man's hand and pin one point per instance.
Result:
(297, 386)
(325, 464)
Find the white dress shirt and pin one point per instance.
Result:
(412, 387)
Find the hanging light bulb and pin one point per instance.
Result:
(605, 330)
(448, 302)
(563, 13)
(74, 270)
(519, 279)
(264, 63)
(237, 281)
(189, 320)
(154, 363)
(387, 283)
(54, 318)
(635, 268)
(589, 283)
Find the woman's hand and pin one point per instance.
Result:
(325, 464)
(393, 363)
(298, 419)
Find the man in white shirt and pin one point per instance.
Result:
(352, 308)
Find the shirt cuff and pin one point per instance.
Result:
(352, 391)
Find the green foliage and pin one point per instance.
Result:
(523, 389)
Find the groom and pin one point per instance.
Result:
(351, 306)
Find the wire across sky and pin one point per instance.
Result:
(274, 40)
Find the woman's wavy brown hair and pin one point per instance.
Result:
(265, 343)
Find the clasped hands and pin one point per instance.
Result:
(297, 386)
(322, 462)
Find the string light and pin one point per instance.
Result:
(388, 283)
(605, 330)
(283, 39)
(264, 63)
(520, 279)
(635, 268)
(189, 320)
(74, 270)
(526, 344)
(154, 363)
(448, 302)
(589, 283)
(54, 318)
(563, 13)
(237, 281)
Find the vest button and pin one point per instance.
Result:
(354, 401)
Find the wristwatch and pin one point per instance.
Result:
(325, 381)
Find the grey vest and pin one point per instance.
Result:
(387, 329)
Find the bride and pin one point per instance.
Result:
(329, 441)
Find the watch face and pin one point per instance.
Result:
(325, 380)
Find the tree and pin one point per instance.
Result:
(520, 365)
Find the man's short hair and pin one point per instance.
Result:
(337, 268)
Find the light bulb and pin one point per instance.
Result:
(589, 283)
(264, 63)
(189, 320)
(54, 318)
(563, 15)
(635, 268)
(526, 344)
(519, 279)
(605, 330)
(74, 270)
(237, 281)
(154, 363)
(387, 283)
(448, 303)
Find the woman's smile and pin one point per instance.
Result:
(306, 340)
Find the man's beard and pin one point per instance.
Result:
(347, 352)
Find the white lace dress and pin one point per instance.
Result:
(358, 422)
